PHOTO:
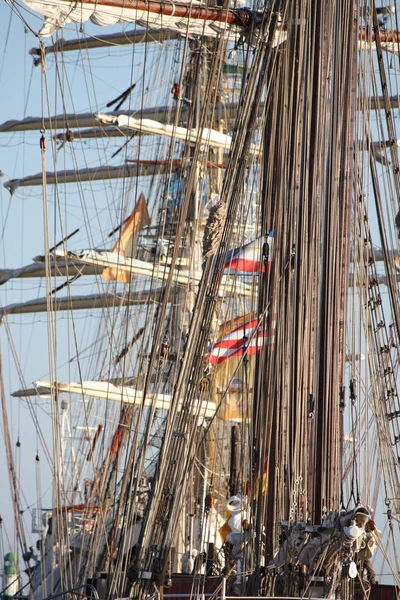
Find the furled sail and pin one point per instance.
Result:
(125, 394)
(147, 126)
(191, 18)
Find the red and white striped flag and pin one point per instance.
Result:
(250, 257)
(247, 338)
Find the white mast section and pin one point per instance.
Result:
(90, 302)
(61, 268)
(93, 174)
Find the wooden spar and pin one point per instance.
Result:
(182, 10)
(388, 36)
(178, 10)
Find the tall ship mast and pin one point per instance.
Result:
(213, 390)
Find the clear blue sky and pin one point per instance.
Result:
(88, 83)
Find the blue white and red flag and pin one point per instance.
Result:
(252, 258)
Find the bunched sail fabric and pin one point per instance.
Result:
(248, 338)
(252, 257)
(185, 18)
(177, 16)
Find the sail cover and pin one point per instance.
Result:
(120, 393)
(148, 126)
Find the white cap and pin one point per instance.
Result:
(352, 532)
(234, 503)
